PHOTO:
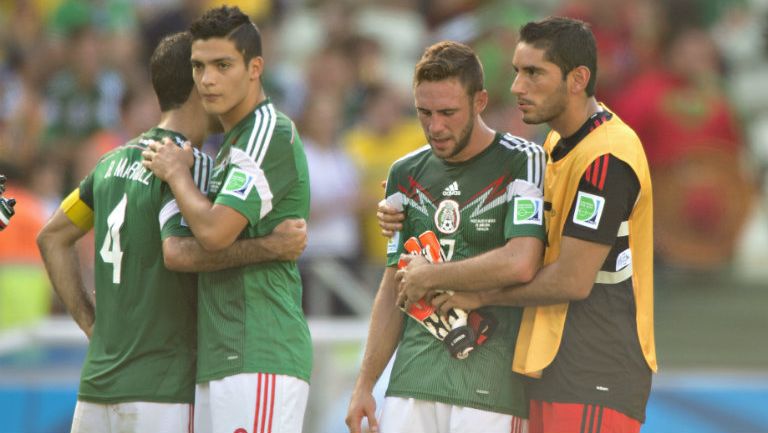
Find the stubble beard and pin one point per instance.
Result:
(463, 140)
(551, 108)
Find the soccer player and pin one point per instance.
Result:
(254, 347)
(478, 190)
(588, 329)
(140, 368)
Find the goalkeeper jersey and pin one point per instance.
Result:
(250, 318)
(473, 206)
(143, 343)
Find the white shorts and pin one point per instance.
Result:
(409, 415)
(132, 417)
(251, 403)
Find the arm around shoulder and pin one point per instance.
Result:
(286, 243)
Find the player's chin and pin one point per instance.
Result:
(531, 119)
(213, 108)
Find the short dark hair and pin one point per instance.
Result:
(567, 42)
(171, 71)
(230, 23)
(449, 59)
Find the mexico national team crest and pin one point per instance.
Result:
(448, 217)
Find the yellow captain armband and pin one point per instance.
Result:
(77, 211)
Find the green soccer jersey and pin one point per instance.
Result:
(143, 343)
(250, 318)
(473, 206)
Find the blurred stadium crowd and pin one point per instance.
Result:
(687, 75)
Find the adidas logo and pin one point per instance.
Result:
(452, 189)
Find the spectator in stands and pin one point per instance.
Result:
(333, 232)
(693, 141)
(383, 134)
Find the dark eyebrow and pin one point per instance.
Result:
(216, 60)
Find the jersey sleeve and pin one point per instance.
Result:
(608, 190)
(525, 194)
(78, 206)
(171, 221)
(396, 199)
(261, 171)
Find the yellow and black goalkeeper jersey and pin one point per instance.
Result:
(598, 350)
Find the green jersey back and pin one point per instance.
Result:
(250, 318)
(143, 343)
(472, 206)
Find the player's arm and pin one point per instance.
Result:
(383, 336)
(215, 226)
(514, 263)
(584, 246)
(286, 243)
(56, 242)
(569, 278)
(390, 218)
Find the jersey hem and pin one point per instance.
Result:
(516, 411)
(269, 370)
(135, 398)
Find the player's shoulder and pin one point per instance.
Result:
(513, 146)
(516, 143)
(412, 158)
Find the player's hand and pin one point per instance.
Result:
(468, 301)
(362, 405)
(390, 219)
(288, 240)
(167, 160)
(413, 280)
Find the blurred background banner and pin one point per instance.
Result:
(690, 76)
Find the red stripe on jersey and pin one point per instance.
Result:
(606, 158)
(595, 172)
(264, 404)
(588, 174)
(258, 397)
(271, 404)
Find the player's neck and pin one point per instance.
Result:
(481, 137)
(574, 116)
(185, 124)
(232, 117)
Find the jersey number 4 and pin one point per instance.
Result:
(110, 249)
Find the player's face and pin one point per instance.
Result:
(223, 79)
(540, 88)
(447, 116)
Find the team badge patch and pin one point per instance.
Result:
(589, 209)
(528, 210)
(448, 217)
(393, 243)
(238, 184)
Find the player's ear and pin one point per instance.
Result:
(578, 79)
(255, 67)
(480, 101)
